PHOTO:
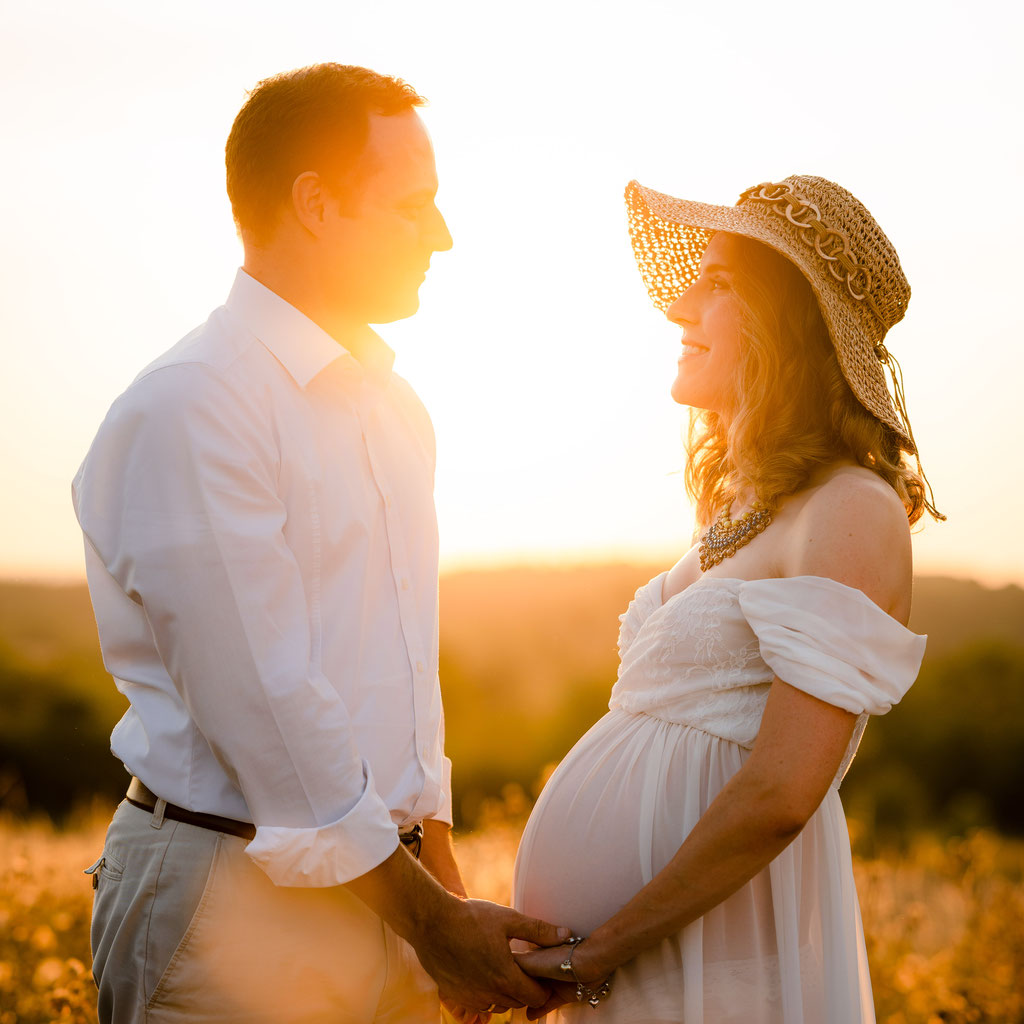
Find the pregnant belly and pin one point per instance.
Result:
(614, 813)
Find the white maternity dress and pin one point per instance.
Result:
(694, 675)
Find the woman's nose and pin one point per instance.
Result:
(681, 310)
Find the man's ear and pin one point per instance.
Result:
(309, 201)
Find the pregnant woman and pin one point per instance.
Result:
(695, 835)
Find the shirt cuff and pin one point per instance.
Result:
(332, 854)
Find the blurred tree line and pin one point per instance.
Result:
(54, 742)
(527, 661)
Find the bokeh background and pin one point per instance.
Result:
(546, 371)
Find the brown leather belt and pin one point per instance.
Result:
(141, 796)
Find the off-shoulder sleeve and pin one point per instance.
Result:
(832, 641)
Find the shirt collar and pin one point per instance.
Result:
(298, 344)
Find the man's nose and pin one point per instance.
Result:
(438, 236)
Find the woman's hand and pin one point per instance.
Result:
(547, 963)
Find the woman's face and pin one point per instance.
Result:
(709, 313)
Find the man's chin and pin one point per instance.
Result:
(392, 311)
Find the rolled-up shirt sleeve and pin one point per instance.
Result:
(178, 499)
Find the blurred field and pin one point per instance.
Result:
(527, 660)
(944, 919)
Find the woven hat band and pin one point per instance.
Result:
(831, 244)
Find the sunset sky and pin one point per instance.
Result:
(544, 366)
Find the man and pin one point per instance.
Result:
(261, 548)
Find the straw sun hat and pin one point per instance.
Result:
(833, 240)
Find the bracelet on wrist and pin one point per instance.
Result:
(583, 992)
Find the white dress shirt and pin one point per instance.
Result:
(261, 548)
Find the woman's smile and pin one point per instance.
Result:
(691, 349)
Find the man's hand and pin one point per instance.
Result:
(466, 951)
(462, 944)
(463, 1016)
(562, 992)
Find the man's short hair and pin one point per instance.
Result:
(311, 119)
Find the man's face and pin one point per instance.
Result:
(380, 237)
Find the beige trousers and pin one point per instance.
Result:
(186, 928)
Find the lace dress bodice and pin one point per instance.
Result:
(707, 656)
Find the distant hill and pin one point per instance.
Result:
(528, 657)
(42, 622)
(956, 612)
(493, 619)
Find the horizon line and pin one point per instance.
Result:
(538, 561)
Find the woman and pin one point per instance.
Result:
(695, 835)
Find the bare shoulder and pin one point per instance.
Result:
(852, 527)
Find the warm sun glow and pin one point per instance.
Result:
(592, 713)
(536, 350)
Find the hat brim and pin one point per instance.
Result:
(669, 237)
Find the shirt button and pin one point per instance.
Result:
(405, 584)
(419, 666)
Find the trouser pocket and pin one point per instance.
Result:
(149, 883)
(106, 873)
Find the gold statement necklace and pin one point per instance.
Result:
(725, 537)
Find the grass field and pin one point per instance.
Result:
(944, 919)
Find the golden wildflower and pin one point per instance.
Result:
(47, 973)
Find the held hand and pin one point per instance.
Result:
(461, 1015)
(529, 929)
(467, 953)
(560, 993)
(547, 964)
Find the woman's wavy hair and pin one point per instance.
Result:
(794, 410)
